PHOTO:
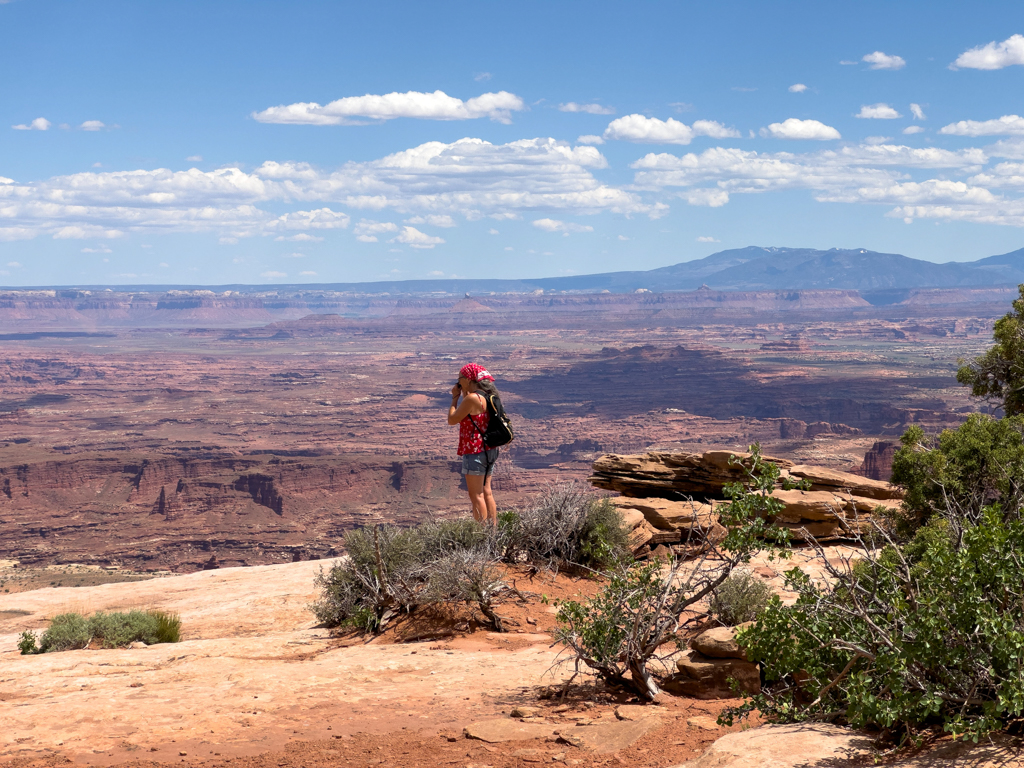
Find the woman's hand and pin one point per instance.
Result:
(456, 390)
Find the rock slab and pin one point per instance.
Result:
(785, 746)
(606, 738)
(704, 677)
(720, 643)
(506, 729)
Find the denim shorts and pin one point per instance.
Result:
(479, 463)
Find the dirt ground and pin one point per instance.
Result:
(255, 683)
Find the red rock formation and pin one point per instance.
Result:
(877, 462)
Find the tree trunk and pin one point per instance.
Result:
(642, 680)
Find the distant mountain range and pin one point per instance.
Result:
(741, 269)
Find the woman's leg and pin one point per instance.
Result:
(492, 508)
(475, 486)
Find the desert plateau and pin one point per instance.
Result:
(178, 432)
(205, 455)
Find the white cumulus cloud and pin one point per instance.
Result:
(651, 130)
(366, 230)
(414, 238)
(912, 129)
(424, 106)
(92, 125)
(707, 239)
(39, 124)
(590, 109)
(917, 111)
(878, 112)
(995, 55)
(433, 220)
(794, 128)
(795, 88)
(554, 225)
(879, 60)
(712, 198)
(1007, 125)
(589, 138)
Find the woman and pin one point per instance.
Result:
(471, 416)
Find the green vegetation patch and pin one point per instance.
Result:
(71, 631)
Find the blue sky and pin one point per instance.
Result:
(285, 142)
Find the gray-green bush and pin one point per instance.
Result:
(738, 599)
(566, 526)
(71, 631)
(390, 570)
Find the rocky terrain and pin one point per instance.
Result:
(215, 436)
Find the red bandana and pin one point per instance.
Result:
(475, 372)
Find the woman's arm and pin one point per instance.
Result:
(458, 411)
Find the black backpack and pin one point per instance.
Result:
(499, 426)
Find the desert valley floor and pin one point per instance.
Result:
(238, 432)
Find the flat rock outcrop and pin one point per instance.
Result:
(705, 677)
(785, 746)
(677, 494)
(720, 643)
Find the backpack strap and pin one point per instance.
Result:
(488, 410)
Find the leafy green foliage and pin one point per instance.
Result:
(978, 464)
(738, 599)
(27, 643)
(618, 633)
(603, 540)
(998, 375)
(930, 633)
(71, 631)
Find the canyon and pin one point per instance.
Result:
(188, 430)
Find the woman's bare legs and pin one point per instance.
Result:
(478, 493)
(492, 508)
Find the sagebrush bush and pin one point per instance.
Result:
(71, 631)
(567, 525)
(391, 570)
(67, 632)
(738, 599)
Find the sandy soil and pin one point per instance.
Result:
(255, 683)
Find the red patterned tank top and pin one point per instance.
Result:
(470, 440)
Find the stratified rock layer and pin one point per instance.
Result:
(677, 494)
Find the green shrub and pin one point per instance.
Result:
(392, 570)
(168, 627)
(67, 632)
(603, 540)
(738, 599)
(928, 633)
(976, 465)
(27, 643)
(442, 537)
(70, 631)
(620, 632)
(567, 525)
